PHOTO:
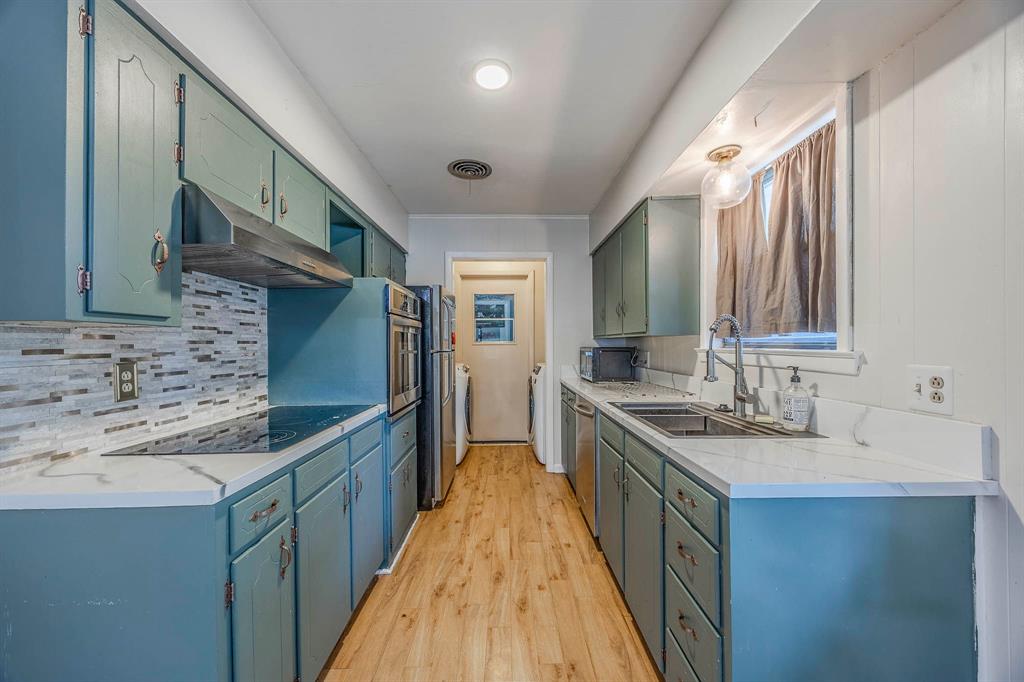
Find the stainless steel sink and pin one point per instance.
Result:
(701, 420)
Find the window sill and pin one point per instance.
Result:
(846, 363)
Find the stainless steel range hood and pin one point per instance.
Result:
(226, 240)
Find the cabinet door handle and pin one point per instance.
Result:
(625, 487)
(345, 497)
(686, 628)
(271, 508)
(359, 486)
(286, 556)
(686, 555)
(163, 251)
(284, 204)
(615, 477)
(264, 195)
(685, 499)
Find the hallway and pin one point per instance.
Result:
(502, 583)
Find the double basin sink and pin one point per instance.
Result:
(700, 420)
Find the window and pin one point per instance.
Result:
(494, 318)
(767, 182)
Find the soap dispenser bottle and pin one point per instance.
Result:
(796, 404)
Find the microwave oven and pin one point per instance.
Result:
(607, 363)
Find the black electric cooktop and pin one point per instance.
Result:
(271, 430)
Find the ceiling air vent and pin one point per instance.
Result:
(469, 169)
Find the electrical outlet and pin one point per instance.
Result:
(645, 358)
(126, 381)
(931, 388)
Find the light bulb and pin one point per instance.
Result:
(729, 182)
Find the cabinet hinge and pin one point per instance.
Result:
(179, 93)
(84, 22)
(229, 593)
(663, 517)
(389, 485)
(295, 534)
(84, 278)
(664, 656)
(179, 153)
(645, 217)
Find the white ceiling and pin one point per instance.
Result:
(587, 77)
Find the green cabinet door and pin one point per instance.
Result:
(135, 227)
(597, 266)
(380, 259)
(263, 610)
(613, 284)
(301, 202)
(644, 562)
(634, 272)
(323, 575)
(367, 521)
(609, 506)
(403, 498)
(398, 265)
(224, 151)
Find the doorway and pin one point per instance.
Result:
(502, 338)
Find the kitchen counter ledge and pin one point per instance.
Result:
(781, 467)
(94, 481)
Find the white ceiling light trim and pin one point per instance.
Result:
(492, 74)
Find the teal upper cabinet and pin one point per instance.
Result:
(384, 257)
(93, 198)
(301, 204)
(224, 151)
(135, 235)
(398, 265)
(647, 273)
(263, 610)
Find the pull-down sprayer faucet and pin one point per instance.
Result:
(741, 394)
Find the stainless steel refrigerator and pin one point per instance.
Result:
(435, 419)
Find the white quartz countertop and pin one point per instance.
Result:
(95, 481)
(781, 467)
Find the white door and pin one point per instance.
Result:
(496, 340)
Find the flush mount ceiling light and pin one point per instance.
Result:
(492, 74)
(729, 182)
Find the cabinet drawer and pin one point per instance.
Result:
(644, 460)
(313, 474)
(366, 439)
(677, 668)
(697, 637)
(697, 564)
(697, 505)
(254, 515)
(611, 433)
(403, 434)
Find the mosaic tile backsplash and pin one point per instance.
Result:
(56, 395)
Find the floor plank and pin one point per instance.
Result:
(501, 583)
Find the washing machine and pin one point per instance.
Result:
(463, 405)
(538, 411)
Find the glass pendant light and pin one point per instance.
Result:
(729, 182)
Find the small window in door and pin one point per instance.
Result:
(494, 318)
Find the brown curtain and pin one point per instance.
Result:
(789, 285)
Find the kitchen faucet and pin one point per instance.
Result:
(741, 394)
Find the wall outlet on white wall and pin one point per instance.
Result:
(930, 388)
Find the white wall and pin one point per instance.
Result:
(938, 157)
(565, 237)
(230, 39)
(743, 38)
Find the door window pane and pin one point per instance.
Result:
(494, 318)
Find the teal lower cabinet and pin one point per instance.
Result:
(263, 610)
(324, 573)
(402, 487)
(367, 521)
(643, 557)
(609, 512)
(788, 589)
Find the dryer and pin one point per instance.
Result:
(537, 411)
(463, 398)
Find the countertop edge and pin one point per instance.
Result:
(185, 498)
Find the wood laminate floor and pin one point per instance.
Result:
(501, 583)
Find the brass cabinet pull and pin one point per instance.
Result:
(345, 497)
(615, 476)
(686, 555)
(685, 499)
(264, 195)
(686, 628)
(257, 515)
(284, 204)
(359, 486)
(164, 252)
(286, 553)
